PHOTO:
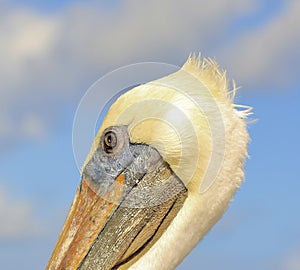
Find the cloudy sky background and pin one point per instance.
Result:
(52, 51)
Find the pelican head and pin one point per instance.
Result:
(162, 170)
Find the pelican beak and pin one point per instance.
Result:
(88, 215)
(127, 197)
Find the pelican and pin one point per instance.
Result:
(163, 168)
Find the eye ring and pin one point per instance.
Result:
(110, 141)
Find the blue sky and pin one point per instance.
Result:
(52, 52)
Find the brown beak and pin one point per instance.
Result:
(88, 215)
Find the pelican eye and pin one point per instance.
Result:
(110, 141)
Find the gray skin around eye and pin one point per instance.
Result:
(103, 168)
(134, 160)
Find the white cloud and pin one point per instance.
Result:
(292, 262)
(25, 37)
(32, 126)
(26, 126)
(17, 218)
(28, 35)
(87, 35)
(140, 30)
(269, 55)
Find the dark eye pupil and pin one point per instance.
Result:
(110, 141)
